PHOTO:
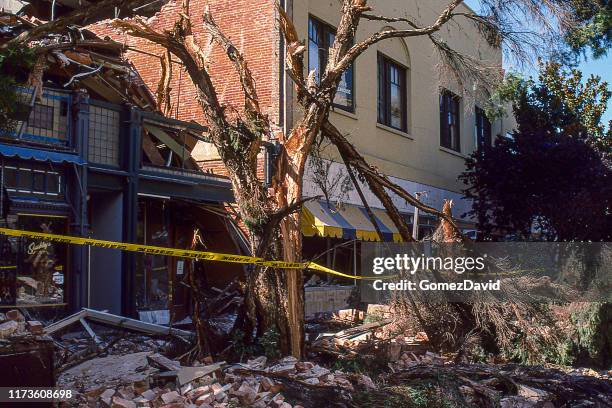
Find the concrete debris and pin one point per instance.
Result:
(8, 328)
(159, 361)
(149, 379)
(15, 315)
(106, 396)
(13, 325)
(35, 327)
(136, 372)
(119, 402)
(186, 375)
(108, 371)
(171, 396)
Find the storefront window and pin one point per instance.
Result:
(152, 276)
(33, 271)
(33, 179)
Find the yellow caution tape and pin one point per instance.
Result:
(179, 253)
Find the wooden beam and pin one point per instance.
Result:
(151, 150)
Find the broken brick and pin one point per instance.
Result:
(35, 327)
(15, 315)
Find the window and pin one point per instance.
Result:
(449, 121)
(482, 129)
(321, 36)
(38, 178)
(33, 272)
(41, 117)
(392, 98)
(38, 181)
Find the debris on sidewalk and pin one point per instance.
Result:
(145, 380)
(114, 362)
(373, 338)
(116, 321)
(13, 324)
(506, 386)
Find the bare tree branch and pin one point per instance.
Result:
(378, 182)
(163, 88)
(352, 157)
(176, 43)
(295, 54)
(78, 17)
(373, 17)
(257, 121)
(361, 46)
(240, 64)
(364, 201)
(275, 219)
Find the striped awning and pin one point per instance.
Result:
(347, 222)
(39, 154)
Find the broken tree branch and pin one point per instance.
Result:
(361, 46)
(378, 182)
(276, 218)
(177, 43)
(78, 17)
(163, 88)
(238, 60)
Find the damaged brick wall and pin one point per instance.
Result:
(252, 26)
(216, 166)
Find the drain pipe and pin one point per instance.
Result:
(53, 10)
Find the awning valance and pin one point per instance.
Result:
(38, 154)
(348, 222)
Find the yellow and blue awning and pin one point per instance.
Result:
(347, 222)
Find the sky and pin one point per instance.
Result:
(600, 67)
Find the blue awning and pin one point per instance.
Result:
(38, 154)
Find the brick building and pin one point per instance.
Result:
(251, 24)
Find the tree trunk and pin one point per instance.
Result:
(292, 249)
(274, 298)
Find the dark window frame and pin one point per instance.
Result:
(25, 180)
(42, 116)
(450, 118)
(483, 129)
(324, 30)
(384, 66)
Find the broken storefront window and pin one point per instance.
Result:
(33, 271)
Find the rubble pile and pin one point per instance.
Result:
(14, 324)
(508, 385)
(132, 370)
(152, 380)
(74, 345)
(411, 359)
(374, 338)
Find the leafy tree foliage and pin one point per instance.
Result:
(15, 64)
(563, 30)
(554, 173)
(594, 27)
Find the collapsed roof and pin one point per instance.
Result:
(50, 9)
(76, 58)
